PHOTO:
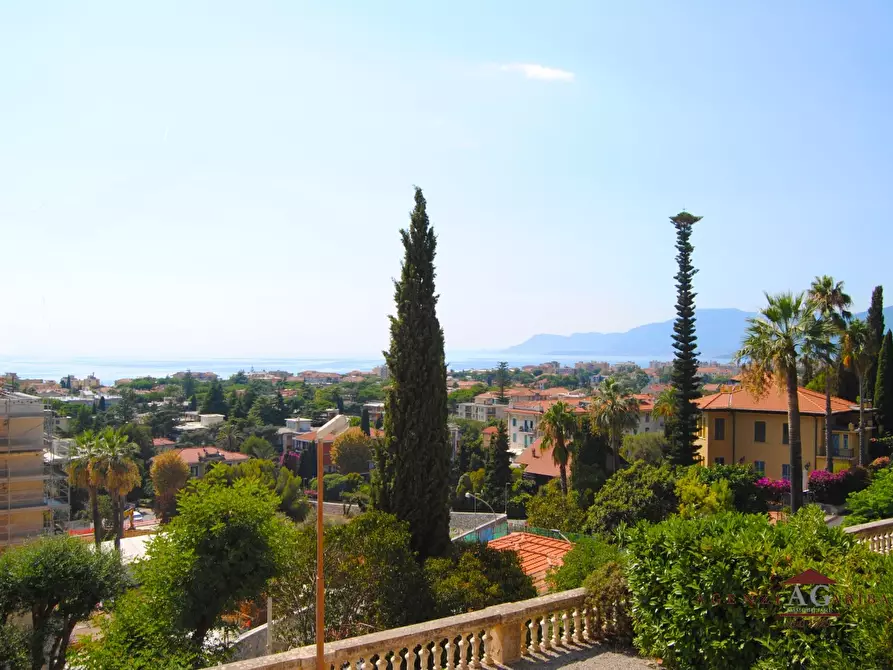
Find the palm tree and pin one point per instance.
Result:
(773, 343)
(557, 425)
(665, 406)
(859, 355)
(831, 304)
(229, 437)
(84, 472)
(120, 474)
(613, 411)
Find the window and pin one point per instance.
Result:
(786, 471)
(760, 466)
(720, 460)
(514, 437)
(719, 429)
(193, 470)
(785, 436)
(647, 417)
(514, 422)
(759, 432)
(647, 429)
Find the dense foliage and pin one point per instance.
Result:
(287, 487)
(742, 479)
(588, 554)
(413, 465)
(373, 580)
(639, 492)
(169, 476)
(677, 566)
(475, 576)
(56, 583)
(874, 502)
(550, 508)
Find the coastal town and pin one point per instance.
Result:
(446, 336)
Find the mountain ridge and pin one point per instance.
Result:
(719, 333)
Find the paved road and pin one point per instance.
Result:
(594, 657)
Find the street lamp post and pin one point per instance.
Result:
(320, 586)
(468, 494)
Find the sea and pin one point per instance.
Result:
(107, 370)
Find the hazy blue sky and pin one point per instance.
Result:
(229, 178)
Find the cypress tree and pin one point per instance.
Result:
(685, 362)
(412, 478)
(364, 422)
(875, 320)
(498, 473)
(883, 388)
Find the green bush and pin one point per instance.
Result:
(588, 554)
(677, 566)
(742, 480)
(875, 502)
(697, 498)
(553, 510)
(607, 594)
(474, 577)
(639, 492)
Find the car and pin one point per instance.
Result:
(137, 516)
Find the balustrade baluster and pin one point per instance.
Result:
(545, 642)
(577, 638)
(382, 662)
(451, 662)
(475, 660)
(462, 643)
(423, 658)
(410, 656)
(486, 659)
(532, 647)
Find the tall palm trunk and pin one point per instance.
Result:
(794, 438)
(117, 518)
(863, 451)
(829, 435)
(94, 510)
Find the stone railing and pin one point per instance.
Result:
(498, 635)
(878, 535)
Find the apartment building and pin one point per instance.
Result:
(34, 495)
(738, 427)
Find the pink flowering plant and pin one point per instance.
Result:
(776, 491)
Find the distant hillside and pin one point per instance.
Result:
(719, 335)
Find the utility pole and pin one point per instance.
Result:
(320, 585)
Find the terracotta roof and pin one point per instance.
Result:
(489, 430)
(540, 462)
(162, 442)
(774, 401)
(554, 391)
(538, 554)
(193, 455)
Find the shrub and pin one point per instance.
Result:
(474, 577)
(607, 594)
(550, 508)
(742, 479)
(776, 491)
(639, 492)
(697, 498)
(676, 567)
(828, 487)
(588, 554)
(874, 502)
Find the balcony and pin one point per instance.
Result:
(553, 625)
(526, 428)
(837, 453)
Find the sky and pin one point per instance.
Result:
(230, 178)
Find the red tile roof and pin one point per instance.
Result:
(162, 442)
(490, 430)
(540, 461)
(774, 401)
(538, 554)
(193, 455)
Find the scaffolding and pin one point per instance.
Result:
(34, 490)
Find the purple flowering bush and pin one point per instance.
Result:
(832, 488)
(776, 491)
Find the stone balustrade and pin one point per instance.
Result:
(498, 635)
(878, 535)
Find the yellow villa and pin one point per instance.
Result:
(737, 427)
